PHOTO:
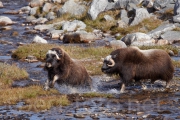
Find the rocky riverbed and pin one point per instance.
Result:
(137, 103)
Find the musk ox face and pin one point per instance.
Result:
(53, 56)
(108, 63)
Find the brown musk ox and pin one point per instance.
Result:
(132, 63)
(64, 70)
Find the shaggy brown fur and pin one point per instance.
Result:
(64, 70)
(133, 63)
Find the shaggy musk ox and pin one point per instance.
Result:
(63, 70)
(132, 63)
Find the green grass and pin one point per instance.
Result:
(95, 94)
(9, 73)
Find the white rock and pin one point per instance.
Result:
(38, 39)
(5, 20)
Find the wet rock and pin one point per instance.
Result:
(74, 25)
(39, 20)
(36, 3)
(38, 39)
(137, 39)
(44, 27)
(1, 4)
(33, 11)
(6, 28)
(13, 12)
(5, 20)
(140, 15)
(79, 116)
(116, 44)
(161, 29)
(25, 9)
(47, 7)
(72, 8)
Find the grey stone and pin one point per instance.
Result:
(51, 16)
(140, 15)
(44, 27)
(25, 9)
(30, 18)
(136, 38)
(177, 7)
(36, 3)
(5, 20)
(160, 30)
(72, 8)
(74, 25)
(97, 6)
(124, 16)
(39, 20)
(171, 36)
(33, 11)
(108, 18)
(159, 4)
(47, 7)
(176, 18)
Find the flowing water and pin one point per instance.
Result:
(151, 103)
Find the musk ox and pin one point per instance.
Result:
(63, 70)
(132, 63)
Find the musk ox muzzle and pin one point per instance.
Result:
(108, 63)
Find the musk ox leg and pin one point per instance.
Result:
(167, 84)
(55, 78)
(122, 88)
(46, 85)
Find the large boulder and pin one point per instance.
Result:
(140, 15)
(136, 38)
(72, 8)
(171, 36)
(161, 29)
(5, 20)
(97, 6)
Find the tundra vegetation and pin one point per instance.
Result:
(90, 57)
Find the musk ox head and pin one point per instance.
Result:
(53, 56)
(108, 63)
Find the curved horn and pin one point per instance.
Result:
(112, 61)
